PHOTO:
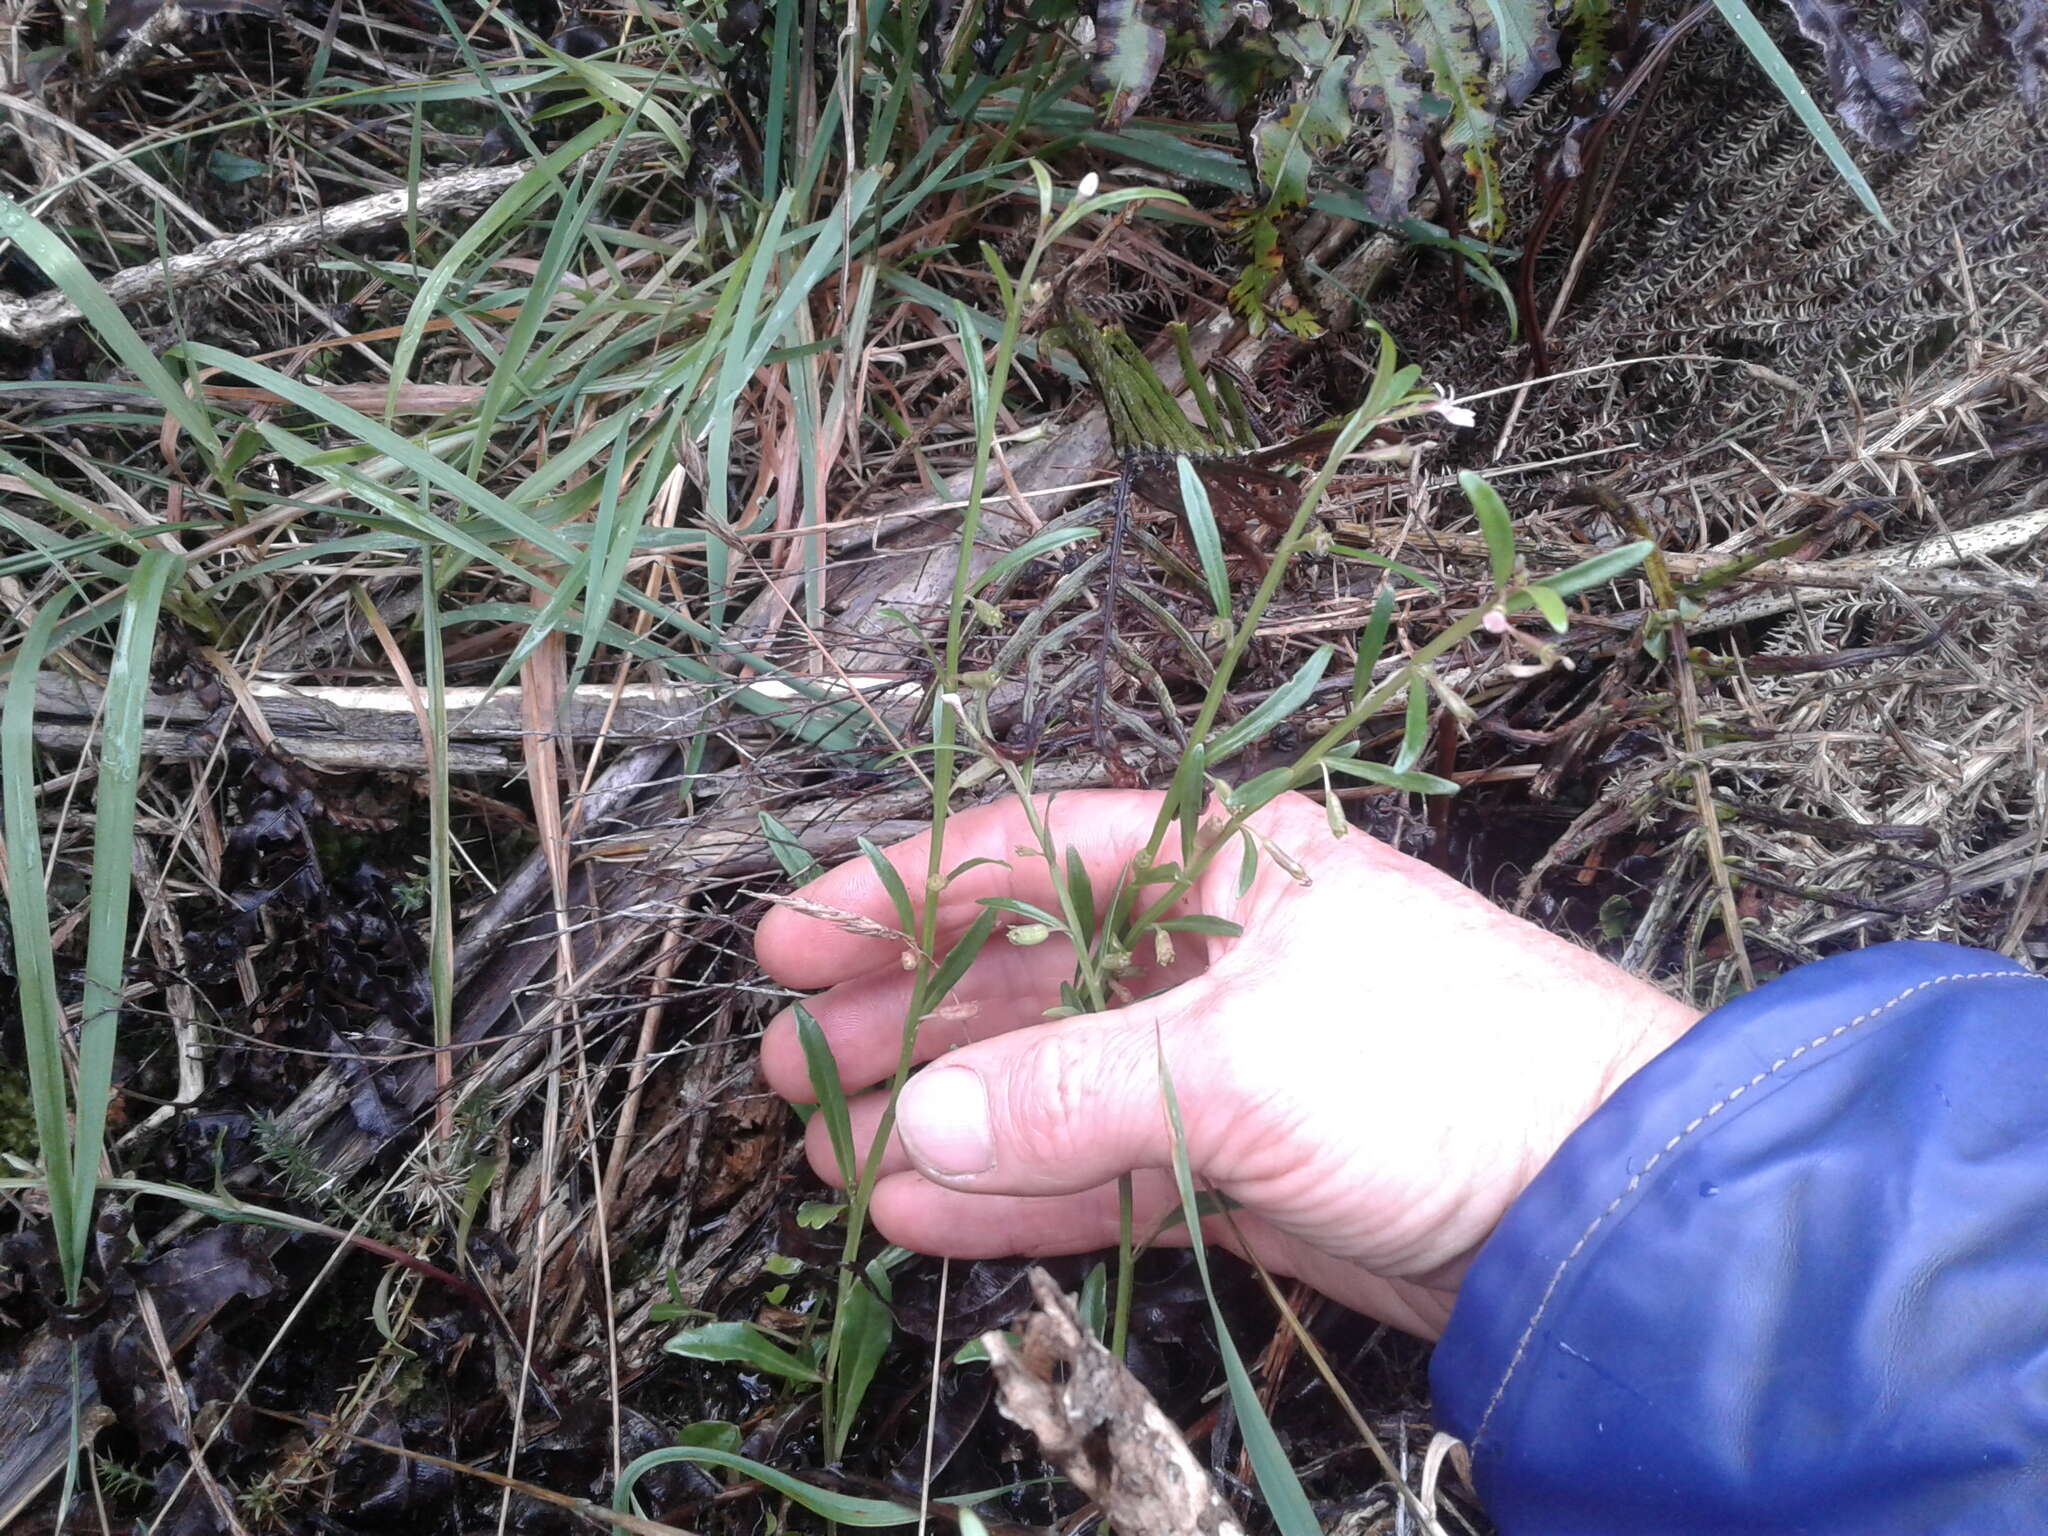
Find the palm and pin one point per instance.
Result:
(1371, 1071)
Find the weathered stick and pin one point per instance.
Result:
(30, 321)
(375, 728)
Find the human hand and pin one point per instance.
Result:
(1372, 1071)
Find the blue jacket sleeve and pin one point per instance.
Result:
(1791, 1277)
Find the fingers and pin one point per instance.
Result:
(1104, 827)
(911, 1210)
(1008, 987)
(862, 1019)
(1051, 1109)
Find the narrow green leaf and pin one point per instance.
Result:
(1024, 909)
(1275, 708)
(113, 875)
(1405, 572)
(1201, 518)
(823, 1068)
(1494, 524)
(892, 882)
(1094, 1304)
(1372, 642)
(1263, 790)
(1080, 897)
(866, 1329)
(965, 951)
(1596, 569)
(1190, 789)
(1782, 75)
(1415, 727)
(1284, 1496)
(789, 851)
(845, 1508)
(28, 916)
(1551, 606)
(1411, 779)
(1201, 922)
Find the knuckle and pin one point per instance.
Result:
(1053, 1097)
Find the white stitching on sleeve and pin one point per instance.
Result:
(1636, 1179)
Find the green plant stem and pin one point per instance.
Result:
(986, 392)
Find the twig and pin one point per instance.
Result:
(30, 321)
(374, 728)
(1918, 569)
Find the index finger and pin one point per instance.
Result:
(1106, 828)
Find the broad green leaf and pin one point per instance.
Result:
(1494, 524)
(742, 1344)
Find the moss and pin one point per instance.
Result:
(17, 1116)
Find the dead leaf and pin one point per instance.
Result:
(1100, 1427)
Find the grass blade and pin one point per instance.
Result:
(28, 914)
(113, 877)
(1283, 1490)
(1782, 75)
(104, 316)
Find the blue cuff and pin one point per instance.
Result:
(1791, 1277)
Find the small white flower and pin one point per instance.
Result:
(1089, 184)
(1456, 415)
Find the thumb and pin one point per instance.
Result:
(1056, 1108)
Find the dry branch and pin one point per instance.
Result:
(1100, 1427)
(375, 728)
(31, 321)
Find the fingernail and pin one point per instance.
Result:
(944, 1122)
